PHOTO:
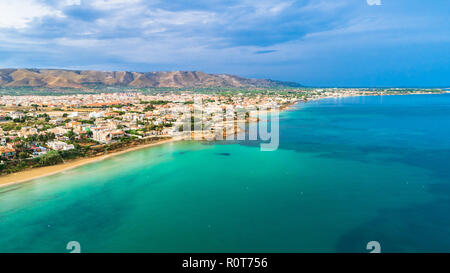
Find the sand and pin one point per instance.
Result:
(35, 173)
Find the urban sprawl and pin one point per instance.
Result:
(40, 131)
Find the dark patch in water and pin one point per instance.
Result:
(224, 154)
(420, 228)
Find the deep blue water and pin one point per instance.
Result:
(408, 130)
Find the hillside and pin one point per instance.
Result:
(78, 79)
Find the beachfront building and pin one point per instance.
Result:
(38, 150)
(117, 134)
(105, 135)
(7, 153)
(101, 135)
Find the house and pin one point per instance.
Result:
(102, 136)
(133, 117)
(117, 134)
(73, 115)
(60, 146)
(111, 114)
(27, 131)
(73, 124)
(96, 114)
(17, 115)
(56, 121)
(7, 153)
(58, 131)
(3, 116)
(37, 150)
(106, 136)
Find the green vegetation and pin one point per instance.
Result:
(51, 158)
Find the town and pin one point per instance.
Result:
(40, 131)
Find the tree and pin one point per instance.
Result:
(149, 108)
(71, 135)
(23, 155)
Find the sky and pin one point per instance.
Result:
(335, 43)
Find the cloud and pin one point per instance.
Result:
(248, 37)
(112, 4)
(71, 2)
(165, 17)
(19, 14)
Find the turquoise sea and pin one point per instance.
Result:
(348, 171)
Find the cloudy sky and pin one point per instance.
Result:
(314, 42)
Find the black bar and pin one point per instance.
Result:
(226, 262)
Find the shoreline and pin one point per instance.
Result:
(35, 173)
(29, 175)
(372, 95)
(41, 172)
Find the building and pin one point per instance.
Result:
(7, 153)
(96, 114)
(117, 134)
(106, 136)
(38, 150)
(102, 136)
(60, 146)
(17, 115)
(27, 131)
(58, 131)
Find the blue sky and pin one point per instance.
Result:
(317, 43)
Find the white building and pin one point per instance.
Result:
(96, 114)
(73, 115)
(60, 146)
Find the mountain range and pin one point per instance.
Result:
(53, 78)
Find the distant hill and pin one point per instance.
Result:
(79, 79)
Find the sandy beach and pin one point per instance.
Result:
(34, 173)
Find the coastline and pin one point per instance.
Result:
(41, 172)
(36, 173)
(372, 95)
